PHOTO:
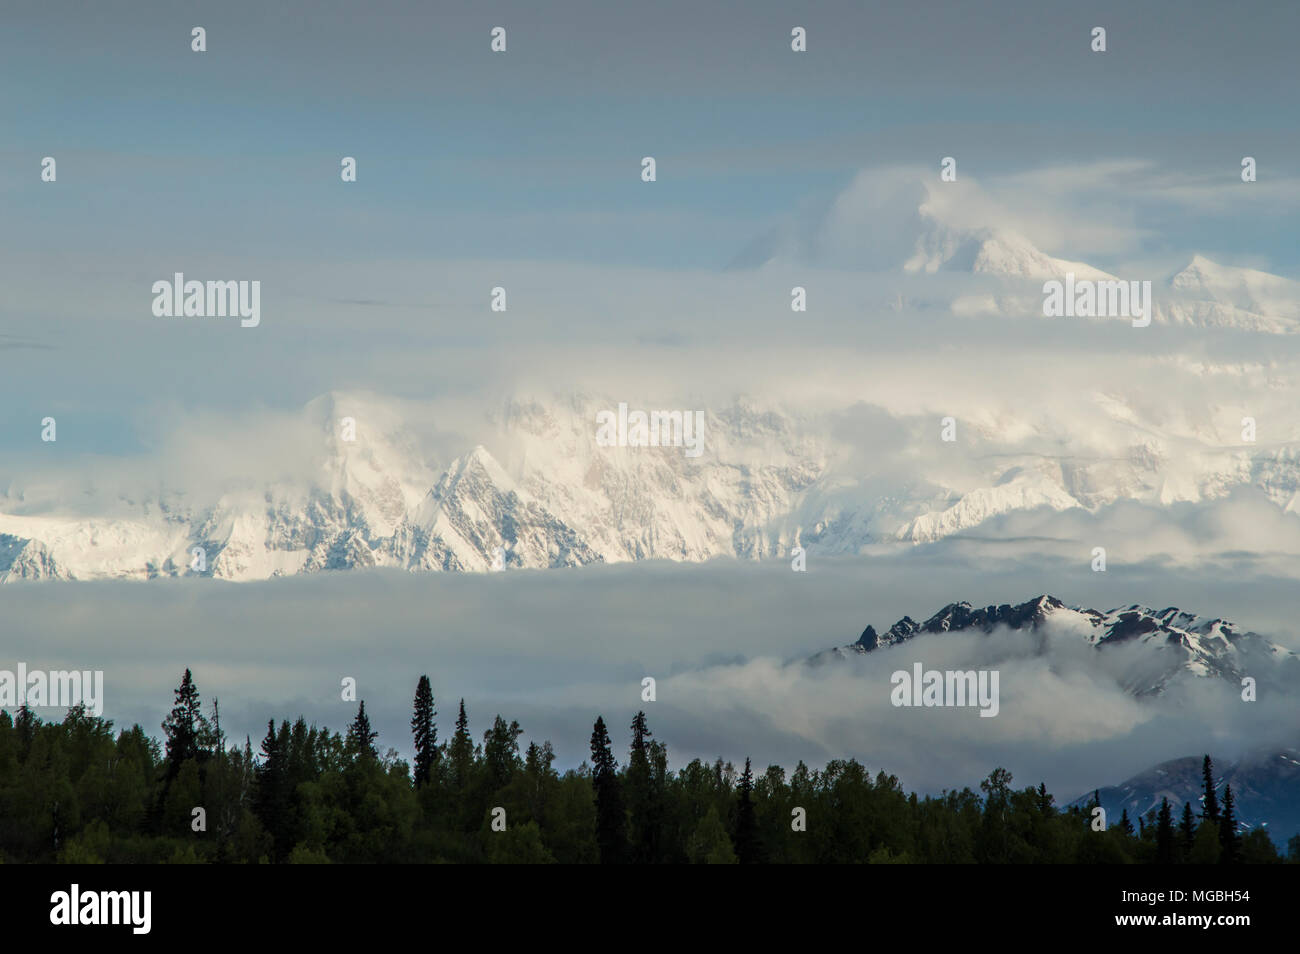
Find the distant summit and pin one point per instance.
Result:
(1180, 644)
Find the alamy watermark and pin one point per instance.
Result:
(76, 907)
(56, 688)
(651, 429)
(181, 299)
(932, 688)
(1086, 298)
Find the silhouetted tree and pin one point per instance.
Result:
(1125, 825)
(643, 801)
(185, 729)
(1229, 839)
(425, 732)
(1165, 834)
(748, 847)
(1187, 829)
(1210, 801)
(460, 753)
(361, 740)
(611, 823)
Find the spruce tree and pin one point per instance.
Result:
(1187, 828)
(1210, 806)
(611, 822)
(185, 727)
(748, 847)
(1125, 825)
(271, 798)
(642, 800)
(1044, 799)
(460, 753)
(1165, 834)
(361, 740)
(425, 731)
(1229, 839)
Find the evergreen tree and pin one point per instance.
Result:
(460, 753)
(425, 732)
(644, 796)
(72, 792)
(501, 753)
(1187, 829)
(1165, 834)
(25, 727)
(271, 800)
(361, 740)
(1125, 825)
(1210, 805)
(185, 728)
(218, 737)
(611, 822)
(748, 847)
(1229, 839)
(1044, 799)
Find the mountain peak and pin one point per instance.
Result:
(1179, 642)
(899, 221)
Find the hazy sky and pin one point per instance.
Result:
(226, 164)
(535, 153)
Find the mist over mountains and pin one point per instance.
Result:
(823, 430)
(1161, 647)
(770, 479)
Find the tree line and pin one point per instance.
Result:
(73, 791)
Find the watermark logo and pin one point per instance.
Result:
(182, 299)
(102, 907)
(56, 688)
(651, 429)
(1098, 299)
(932, 688)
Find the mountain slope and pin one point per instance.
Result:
(904, 223)
(1265, 786)
(1175, 644)
(1208, 294)
(540, 488)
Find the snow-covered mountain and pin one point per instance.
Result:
(538, 486)
(1208, 294)
(1174, 644)
(900, 223)
(560, 501)
(1043, 432)
(903, 224)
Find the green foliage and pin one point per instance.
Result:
(1206, 849)
(74, 791)
(518, 845)
(709, 844)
